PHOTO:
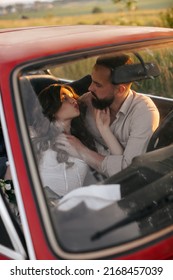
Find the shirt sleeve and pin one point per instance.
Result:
(142, 125)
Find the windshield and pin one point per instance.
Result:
(103, 186)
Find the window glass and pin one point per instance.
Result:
(162, 86)
(91, 209)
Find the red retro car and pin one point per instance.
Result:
(138, 225)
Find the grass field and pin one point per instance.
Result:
(149, 13)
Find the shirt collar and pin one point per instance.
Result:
(127, 102)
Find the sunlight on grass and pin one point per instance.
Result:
(148, 18)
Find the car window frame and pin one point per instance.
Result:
(36, 180)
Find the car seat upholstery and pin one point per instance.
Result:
(81, 86)
(39, 82)
(163, 135)
(32, 107)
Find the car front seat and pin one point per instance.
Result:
(163, 135)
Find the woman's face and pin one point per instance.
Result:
(68, 110)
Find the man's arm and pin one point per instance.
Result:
(102, 118)
(92, 158)
(143, 124)
(74, 147)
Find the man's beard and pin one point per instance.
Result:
(101, 103)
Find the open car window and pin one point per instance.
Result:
(89, 211)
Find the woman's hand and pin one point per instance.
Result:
(74, 147)
(102, 118)
(70, 144)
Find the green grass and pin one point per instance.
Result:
(81, 13)
(78, 8)
(140, 19)
(155, 4)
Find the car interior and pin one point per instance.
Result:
(142, 171)
(147, 171)
(161, 138)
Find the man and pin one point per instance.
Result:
(121, 120)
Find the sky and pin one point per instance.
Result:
(8, 2)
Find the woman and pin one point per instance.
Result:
(59, 171)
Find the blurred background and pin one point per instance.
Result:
(18, 13)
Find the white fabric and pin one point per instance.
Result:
(95, 197)
(58, 176)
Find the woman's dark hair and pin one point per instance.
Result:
(79, 129)
(50, 101)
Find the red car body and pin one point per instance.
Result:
(20, 48)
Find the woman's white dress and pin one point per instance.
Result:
(60, 177)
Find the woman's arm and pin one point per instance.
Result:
(102, 118)
(74, 147)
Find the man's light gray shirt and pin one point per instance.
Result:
(133, 127)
